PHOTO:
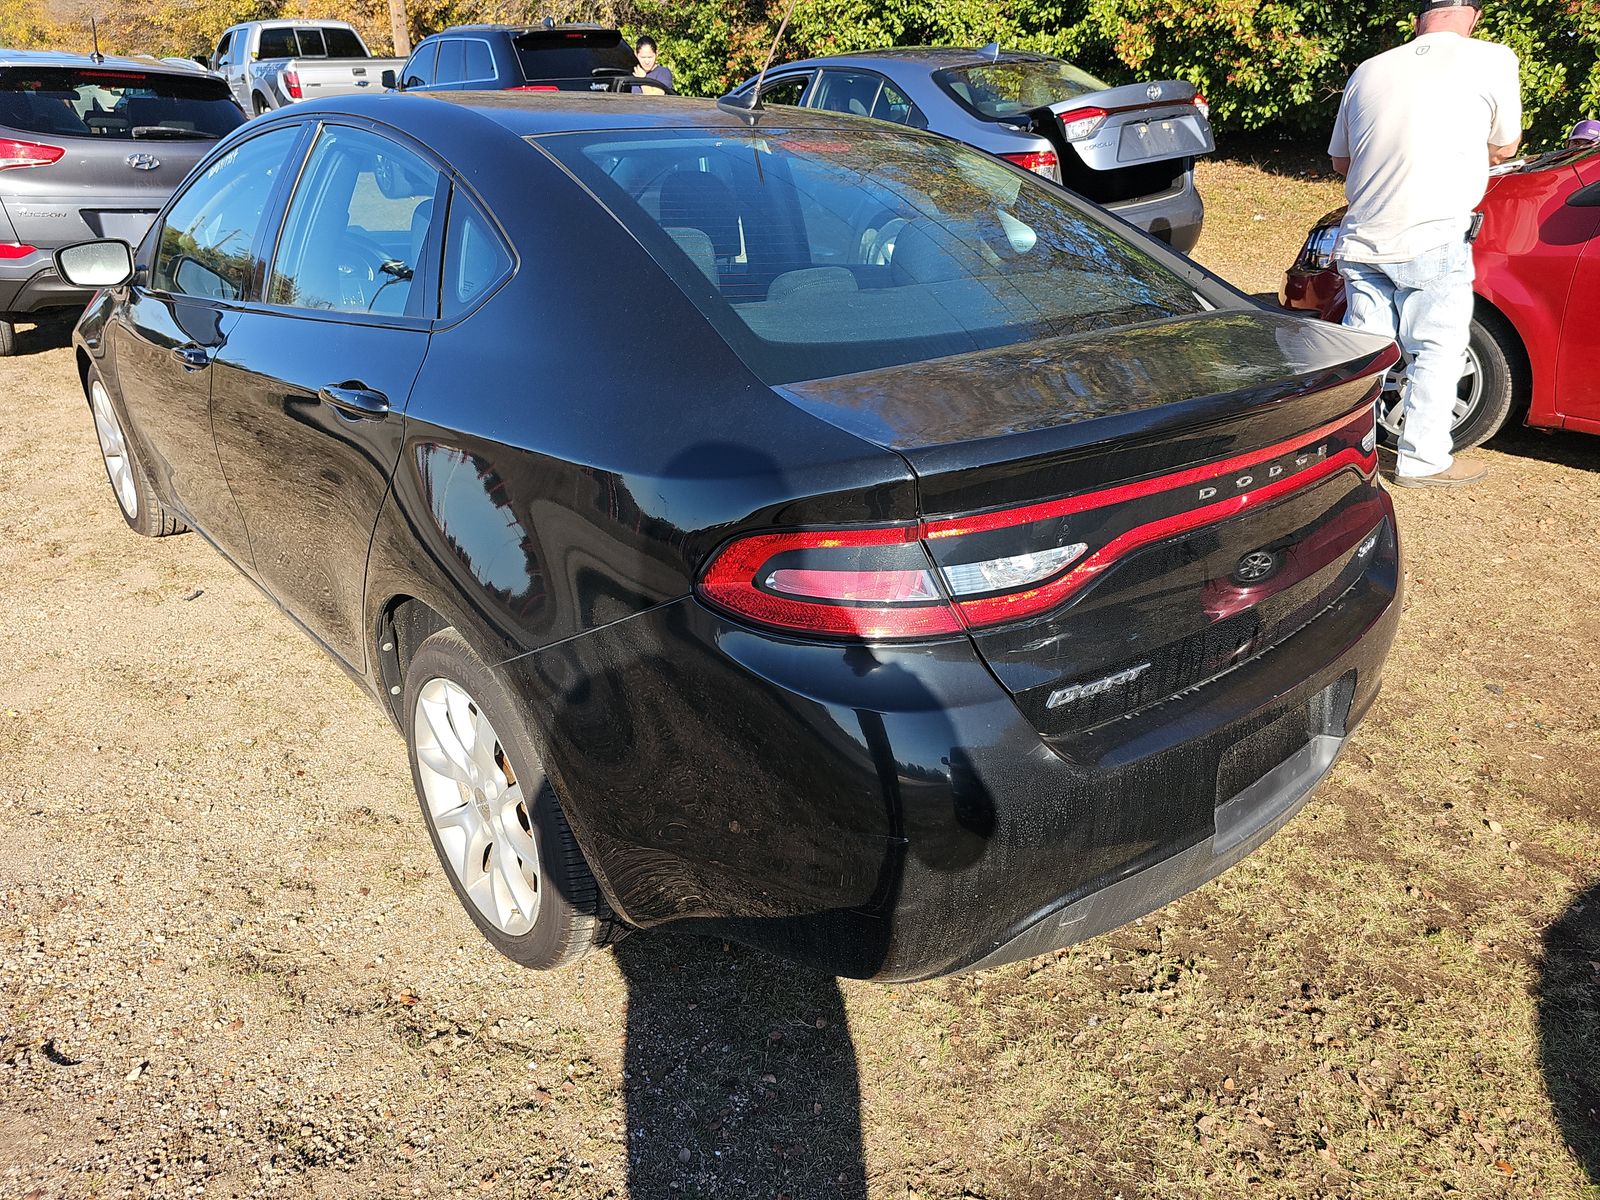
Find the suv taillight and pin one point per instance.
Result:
(16, 250)
(27, 154)
(291, 84)
(941, 577)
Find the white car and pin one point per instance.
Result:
(269, 64)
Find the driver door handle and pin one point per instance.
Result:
(354, 401)
(192, 358)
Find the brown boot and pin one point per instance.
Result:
(1457, 474)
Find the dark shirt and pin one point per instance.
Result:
(661, 73)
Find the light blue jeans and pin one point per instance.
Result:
(1426, 302)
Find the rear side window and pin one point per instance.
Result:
(1004, 89)
(343, 43)
(91, 102)
(475, 259)
(206, 241)
(573, 53)
(480, 62)
(277, 43)
(357, 229)
(818, 252)
(848, 92)
(452, 62)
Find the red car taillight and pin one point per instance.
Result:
(291, 84)
(881, 583)
(1199, 101)
(1040, 162)
(27, 154)
(16, 250)
(534, 87)
(1079, 123)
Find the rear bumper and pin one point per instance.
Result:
(31, 285)
(1175, 218)
(1319, 292)
(888, 812)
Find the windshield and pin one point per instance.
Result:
(821, 252)
(109, 103)
(573, 53)
(1005, 89)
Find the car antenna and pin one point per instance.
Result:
(94, 32)
(751, 113)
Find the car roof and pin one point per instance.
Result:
(932, 57)
(60, 58)
(533, 115)
(516, 29)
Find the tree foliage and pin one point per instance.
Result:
(1265, 65)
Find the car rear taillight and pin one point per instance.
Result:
(941, 577)
(16, 250)
(534, 87)
(1040, 162)
(291, 84)
(1199, 101)
(1079, 123)
(27, 154)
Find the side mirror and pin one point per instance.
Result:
(388, 80)
(203, 61)
(103, 264)
(1587, 196)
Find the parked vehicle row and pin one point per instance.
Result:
(970, 573)
(1534, 342)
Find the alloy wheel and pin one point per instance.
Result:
(1469, 391)
(114, 449)
(477, 806)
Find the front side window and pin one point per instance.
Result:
(206, 239)
(419, 71)
(221, 56)
(357, 229)
(1005, 89)
(112, 103)
(818, 252)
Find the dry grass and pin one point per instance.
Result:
(227, 958)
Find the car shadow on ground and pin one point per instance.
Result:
(1568, 999)
(739, 1075)
(51, 333)
(1560, 446)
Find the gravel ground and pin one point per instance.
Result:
(229, 964)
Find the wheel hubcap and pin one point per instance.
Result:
(114, 449)
(1391, 407)
(477, 807)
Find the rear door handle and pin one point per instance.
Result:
(192, 358)
(355, 401)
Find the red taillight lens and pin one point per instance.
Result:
(16, 250)
(534, 87)
(27, 154)
(291, 84)
(1040, 162)
(941, 577)
(1199, 102)
(1079, 123)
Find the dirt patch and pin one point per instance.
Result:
(228, 959)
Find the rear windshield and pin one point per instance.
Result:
(1004, 89)
(824, 252)
(74, 102)
(310, 42)
(573, 53)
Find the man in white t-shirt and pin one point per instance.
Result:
(1418, 129)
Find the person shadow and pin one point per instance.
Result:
(1567, 996)
(739, 1075)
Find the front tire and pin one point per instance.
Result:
(1493, 384)
(491, 813)
(141, 508)
(8, 339)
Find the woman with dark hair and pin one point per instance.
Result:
(649, 65)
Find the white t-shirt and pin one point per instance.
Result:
(1416, 123)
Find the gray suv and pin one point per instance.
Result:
(1129, 148)
(90, 147)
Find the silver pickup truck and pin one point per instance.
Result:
(272, 63)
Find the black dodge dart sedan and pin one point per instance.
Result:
(810, 531)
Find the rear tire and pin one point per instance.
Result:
(136, 499)
(8, 339)
(493, 818)
(1494, 385)
(259, 104)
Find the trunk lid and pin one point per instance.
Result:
(1172, 453)
(1127, 143)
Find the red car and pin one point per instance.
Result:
(1535, 345)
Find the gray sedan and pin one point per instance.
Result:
(1129, 148)
(90, 147)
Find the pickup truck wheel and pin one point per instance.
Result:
(141, 508)
(491, 813)
(259, 103)
(8, 339)
(1493, 383)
